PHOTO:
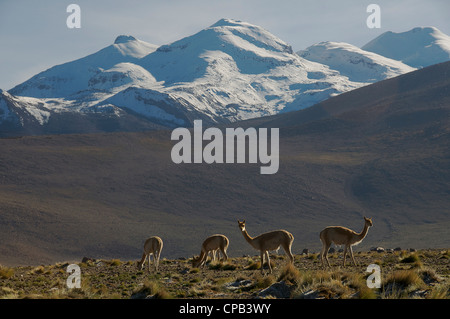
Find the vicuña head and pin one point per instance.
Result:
(241, 225)
(342, 236)
(269, 241)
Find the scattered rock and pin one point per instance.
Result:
(64, 266)
(305, 251)
(397, 249)
(184, 271)
(331, 250)
(379, 249)
(419, 293)
(311, 294)
(238, 284)
(139, 295)
(430, 277)
(412, 250)
(87, 259)
(278, 290)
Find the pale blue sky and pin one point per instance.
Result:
(34, 35)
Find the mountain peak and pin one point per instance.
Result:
(232, 44)
(418, 47)
(358, 65)
(425, 29)
(225, 22)
(124, 39)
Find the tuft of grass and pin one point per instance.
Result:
(365, 292)
(222, 265)
(8, 293)
(412, 258)
(6, 272)
(400, 283)
(253, 265)
(440, 291)
(313, 256)
(153, 288)
(445, 254)
(333, 289)
(115, 262)
(358, 282)
(404, 278)
(333, 284)
(429, 276)
(290, 274)
(39, 270)
(262, 282)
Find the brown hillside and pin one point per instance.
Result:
(381, 151)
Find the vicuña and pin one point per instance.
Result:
(211, 245)
(152, 246)
(342, 236)
(269, 241)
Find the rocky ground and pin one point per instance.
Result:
(404, 274)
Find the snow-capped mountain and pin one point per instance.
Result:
(234, 70)
(419, 47)
(358, 65)
(230, 71)
(94, 72)
(227, 72)
(21, 113)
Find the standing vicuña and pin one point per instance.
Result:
(212, 244)
(342, 236)
(153, 245)
(269, 241)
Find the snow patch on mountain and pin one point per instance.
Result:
(73, 77)
(148, 103)
(5, 113)
(358, 65)
(120, 76)
(23, 109)
(419, 47)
